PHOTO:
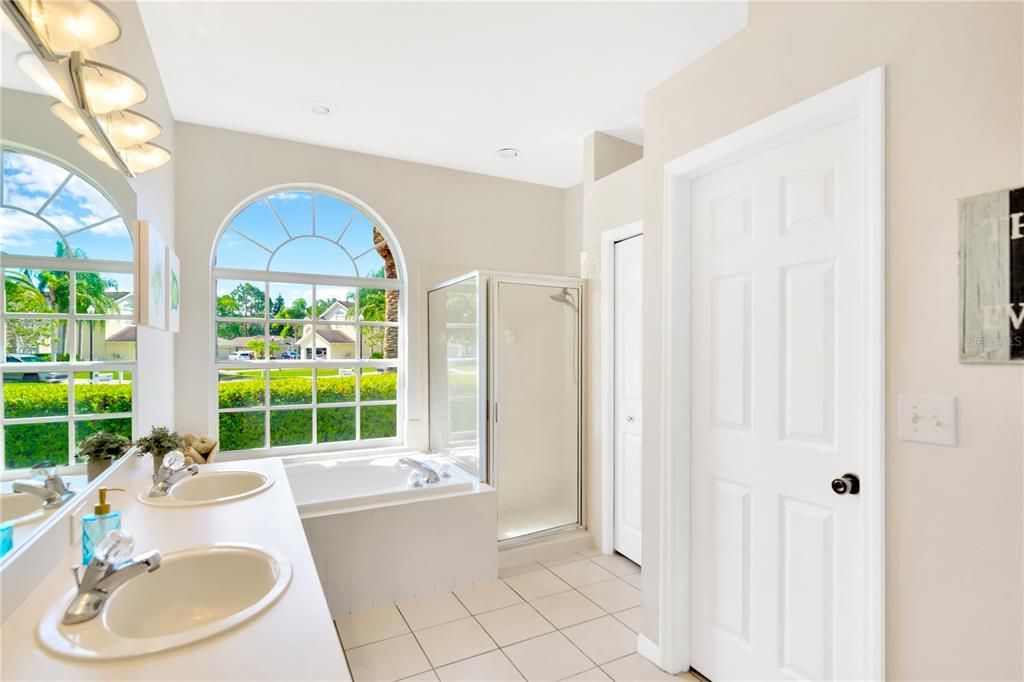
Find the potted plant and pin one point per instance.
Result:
(158, 443)
(101, 449)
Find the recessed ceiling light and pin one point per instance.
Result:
(319, 108)
(508, 152)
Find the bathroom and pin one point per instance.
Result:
(394, 345)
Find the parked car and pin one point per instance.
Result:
(289, 355)
(32, 377)
(242, 355)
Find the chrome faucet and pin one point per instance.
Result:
(170, 472)
(47, 486)
(111, 567)
(427, 471)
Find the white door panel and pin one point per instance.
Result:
(628, 391)
(777, 413)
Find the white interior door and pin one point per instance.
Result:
(778, 412)
(629, 263)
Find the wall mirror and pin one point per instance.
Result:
(67, 319)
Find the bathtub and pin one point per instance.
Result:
(333, 485)
(377, 540)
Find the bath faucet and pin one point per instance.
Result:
(111, 567)
(431, 475)
(171, 471)
(47, 485)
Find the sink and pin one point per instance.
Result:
(196, 593)
(210, 488)
(17, 508)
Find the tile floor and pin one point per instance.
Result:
(574, 617)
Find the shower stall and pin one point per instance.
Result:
(505, 393)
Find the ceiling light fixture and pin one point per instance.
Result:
(59, 27)
(94, 98)
(508, 153)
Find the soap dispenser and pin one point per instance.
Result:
(96, 525)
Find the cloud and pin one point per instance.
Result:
(22, 232)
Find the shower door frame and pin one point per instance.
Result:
(494, 280)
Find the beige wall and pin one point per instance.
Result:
(446, 222)
(953, 127)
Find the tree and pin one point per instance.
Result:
(391, 296)
(276, 306)
(258, 347)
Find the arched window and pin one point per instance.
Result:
(67, 313)
(307, 311)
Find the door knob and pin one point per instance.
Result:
(847, 484)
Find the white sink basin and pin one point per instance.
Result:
(195, 594)
(17, 508)
(210, 488)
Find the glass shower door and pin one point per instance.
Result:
(536, 393)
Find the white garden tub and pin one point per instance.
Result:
(377, 539)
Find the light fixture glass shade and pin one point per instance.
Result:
(34, 69)
(67, 26)
(70, 117)
(144, 157)
(128, 128)
(97, 150)
(109, 89)
(139, 158)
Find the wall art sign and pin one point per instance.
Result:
(151, 283)
(992, 277)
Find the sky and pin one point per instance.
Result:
(43, 201)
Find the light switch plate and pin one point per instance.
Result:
(928, 419)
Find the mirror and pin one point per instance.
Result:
(67, 318)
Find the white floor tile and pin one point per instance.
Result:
(592, 675)
(603, 640)
(366, 627)
(593, 551)
(633, 579)
(518, 569)
(550, 657)
(428, 676)
(567, 608)
(426, 612)
(537, 584)
(613, 595)
(582, 572)
(487, 596)
(454, 641)
(635, 668)
(630, 618)
(616, 563)
(492, 666)
(391, 659)
(514, 624)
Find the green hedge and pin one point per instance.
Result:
(26, 444)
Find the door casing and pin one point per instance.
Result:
(608, 240)
(861, 98)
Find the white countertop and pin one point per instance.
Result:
(294, 639)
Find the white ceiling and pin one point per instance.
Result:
(441, 83)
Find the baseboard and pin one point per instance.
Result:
(547, 547)
(648, 650)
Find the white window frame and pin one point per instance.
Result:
(71, 318)
(267, 277)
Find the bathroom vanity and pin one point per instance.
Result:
(293, 638)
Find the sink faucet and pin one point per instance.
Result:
(111, 567)
(171, 471)
(427, 471)
(47, 485)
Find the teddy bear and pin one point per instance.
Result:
(198, 449)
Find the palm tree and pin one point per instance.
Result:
(391, 297)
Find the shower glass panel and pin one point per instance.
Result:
(504, 375)
(456, 318)
(536, 403)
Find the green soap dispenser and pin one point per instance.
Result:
(96, 525)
